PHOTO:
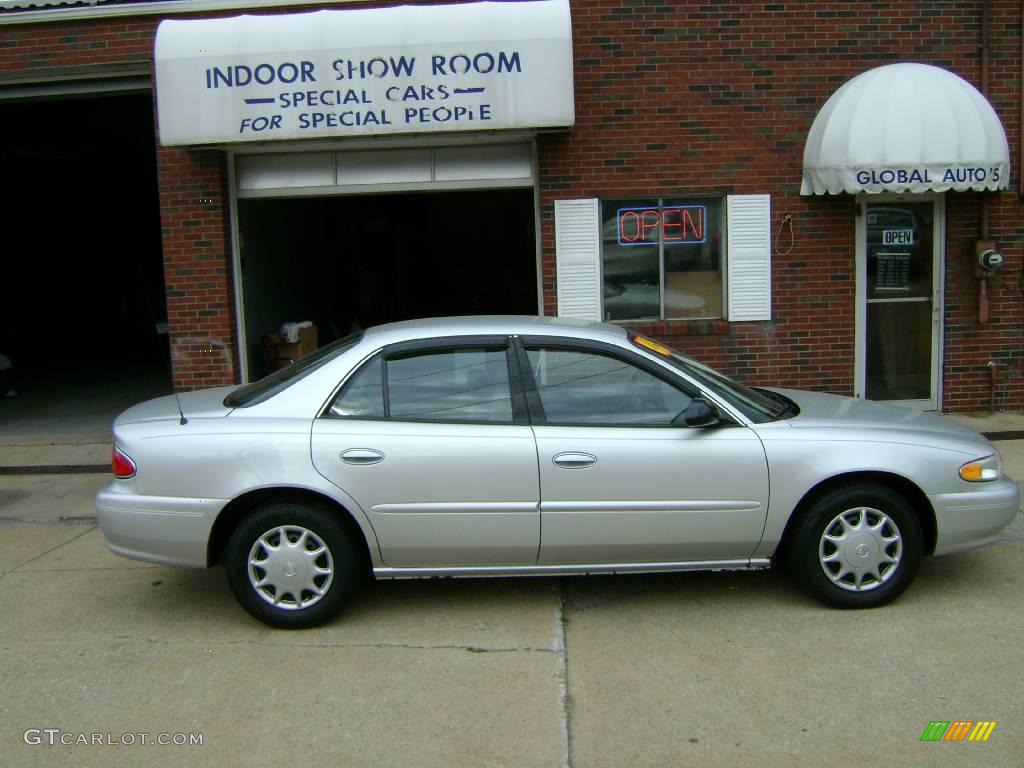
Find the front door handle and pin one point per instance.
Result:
(574, 460)
(362, 456)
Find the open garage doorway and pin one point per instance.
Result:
(350, 262)
(82, 288)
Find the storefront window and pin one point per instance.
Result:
(662, 258)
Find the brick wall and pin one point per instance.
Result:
(38, 48)
(194, 209)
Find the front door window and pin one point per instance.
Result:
(582, 387)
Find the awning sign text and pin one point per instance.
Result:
(910, 176)
(365, 84)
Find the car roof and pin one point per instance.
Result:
(490, 325)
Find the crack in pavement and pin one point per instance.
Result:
(52, 520)
(90, 529)
(563, 674)
(138, 567)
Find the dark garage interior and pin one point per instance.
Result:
(83, 290)
(350, 262)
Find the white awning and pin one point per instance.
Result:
(368, 71)
(906, 128)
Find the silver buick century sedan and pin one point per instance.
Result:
(512, 446)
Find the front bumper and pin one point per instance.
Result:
(974, 518)
(159, 529)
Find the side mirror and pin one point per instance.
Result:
(699, 413)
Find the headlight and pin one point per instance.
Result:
(983, 470)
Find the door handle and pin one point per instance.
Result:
(574, 460)
(362, 456)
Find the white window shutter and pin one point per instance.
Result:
(749, 260)
(578, 258)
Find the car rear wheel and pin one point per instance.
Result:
(292, 564)
(858, 546)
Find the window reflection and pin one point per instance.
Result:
(363, 395)
(443, 385)
(578, 387)
(900, 281)
(662, 253)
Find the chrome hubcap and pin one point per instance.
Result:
(290, 567)
(860, 549)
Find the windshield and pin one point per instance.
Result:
(270, 385)
(758, 406)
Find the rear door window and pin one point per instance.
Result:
(450, 384)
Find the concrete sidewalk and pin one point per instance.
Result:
(52, 478)
(79, 450)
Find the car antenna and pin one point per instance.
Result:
(167, 360)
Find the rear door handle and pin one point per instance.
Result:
(362, 456)
(574, 460)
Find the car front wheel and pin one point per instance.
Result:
(292, 565)
(858, 546)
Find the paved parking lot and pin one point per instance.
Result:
(672, 670)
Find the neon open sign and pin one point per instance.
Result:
(671, 225)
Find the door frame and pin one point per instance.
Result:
(938, 201)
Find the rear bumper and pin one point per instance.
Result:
(158, 529)
(974, 518)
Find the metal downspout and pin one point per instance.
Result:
(986, 12)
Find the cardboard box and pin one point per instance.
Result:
(294, 350)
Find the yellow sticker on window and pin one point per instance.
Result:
(651, 344)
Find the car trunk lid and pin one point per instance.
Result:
(200, 404)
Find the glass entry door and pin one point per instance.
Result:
(899, 301)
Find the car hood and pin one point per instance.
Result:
(823, 411)
(200, 404)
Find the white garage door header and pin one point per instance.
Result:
(408, 69)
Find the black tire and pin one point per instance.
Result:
(326, 559)
(842, 550)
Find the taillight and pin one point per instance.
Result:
(122, 464)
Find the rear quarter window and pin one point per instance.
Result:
(270, 385)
